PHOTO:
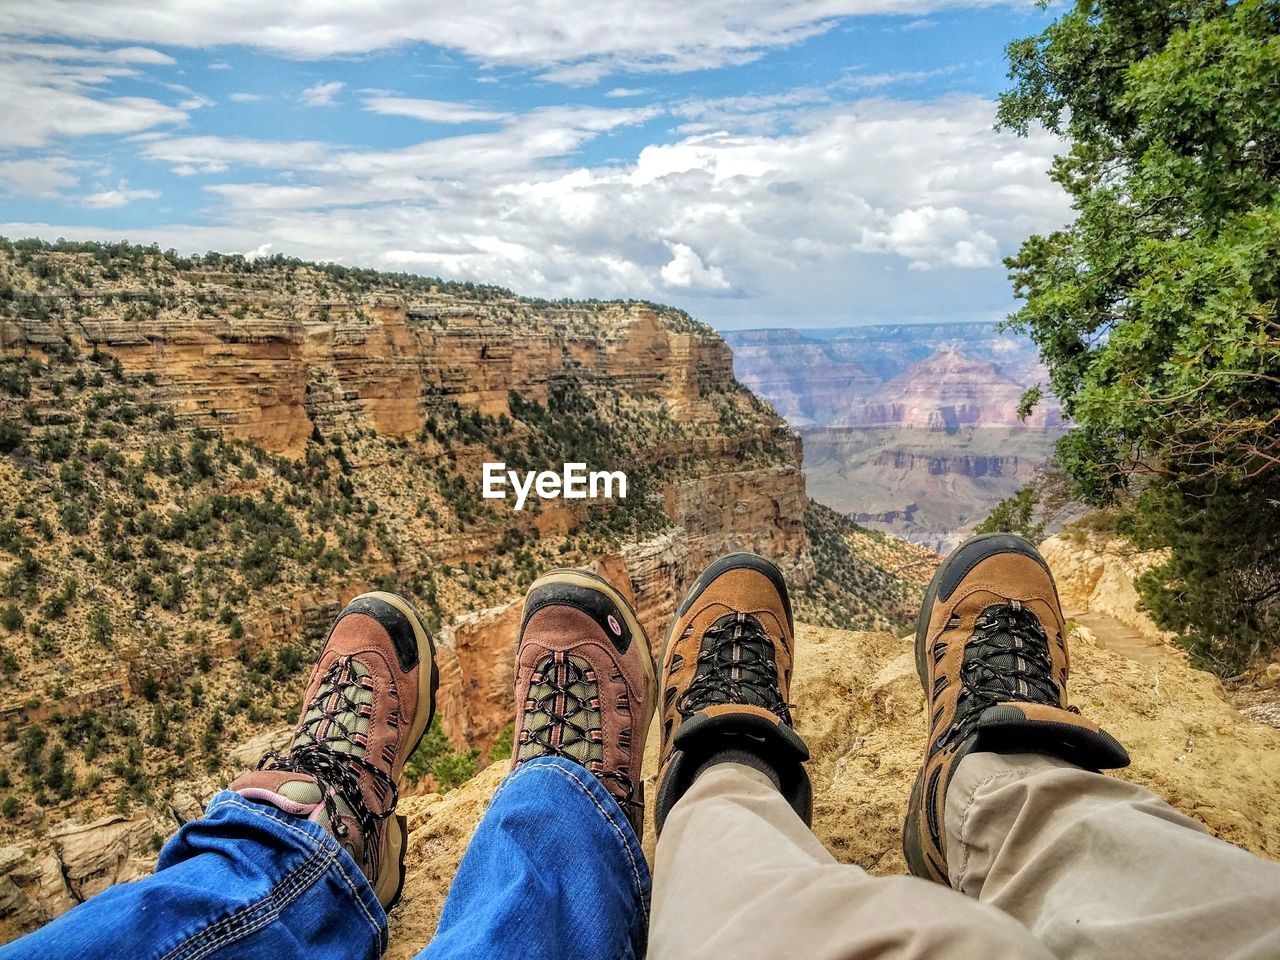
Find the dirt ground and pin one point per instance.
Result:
(859, 706)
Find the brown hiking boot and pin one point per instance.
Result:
(991, 652)
(585, 683)
(368, 703)
(726, 677)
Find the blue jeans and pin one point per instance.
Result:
(553, 870)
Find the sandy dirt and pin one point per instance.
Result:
(859, 706)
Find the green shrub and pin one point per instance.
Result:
(503, 744)
(437, 757)
(12, 437)
(11, 618)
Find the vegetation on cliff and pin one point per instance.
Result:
(1156, 309)
(882, 592)
(164, 584)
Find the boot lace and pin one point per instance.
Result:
(561, 700)
(1006, 660)
(331, 751)
(736, 664)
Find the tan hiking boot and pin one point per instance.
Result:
(585, 683)
(726, 678)
(991, 652)
(368, 703)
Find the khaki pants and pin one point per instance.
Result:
(1056, 862)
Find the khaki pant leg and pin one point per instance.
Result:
(739, 877)
(1097, 867)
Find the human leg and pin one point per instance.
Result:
(555, 867)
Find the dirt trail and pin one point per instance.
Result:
(1122, 638)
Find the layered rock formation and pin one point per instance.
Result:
(930, 486)
(907, 375)
(288, 366)
(946, 391)
(1095, 575)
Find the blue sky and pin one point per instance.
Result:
(757, 162)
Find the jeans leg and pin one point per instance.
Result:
(244, 881)
(554, 870)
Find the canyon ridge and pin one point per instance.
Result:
(203, 458)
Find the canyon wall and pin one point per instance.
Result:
(288, 358)
(287, 367)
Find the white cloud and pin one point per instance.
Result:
(322, 94)
(86, 54)
(823, 216)
(210, 154)
(930, 237)
(119, 197)
(686, 270)
(432, 111)
(41, 177)
(571, 42)
(829, 210)
(48, 92)
(245, 97)
(878, 81)
(628, 92)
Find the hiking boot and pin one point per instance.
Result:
(991, 651)
(726, 677)
(368, 703)
(585, 683)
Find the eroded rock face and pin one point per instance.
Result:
(939, 376)
(75, 861)
(285, 367)
(1096, 575)
(476, 656)
(272, 367)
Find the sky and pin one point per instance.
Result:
(755, 162)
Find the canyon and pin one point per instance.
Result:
(205, 457)
(912, 429)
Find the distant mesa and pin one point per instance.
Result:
(910, 428)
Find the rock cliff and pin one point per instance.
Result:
(910, 429)
(206, 457)
(942, 375)
(929, 485)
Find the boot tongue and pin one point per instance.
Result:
(310, 793)
(1038, 728)
(335, 715)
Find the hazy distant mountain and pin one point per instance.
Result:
(910, 428)
(964, 373)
